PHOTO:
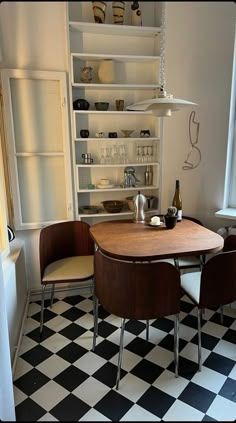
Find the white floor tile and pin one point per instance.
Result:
(94, 416)
(90, 363)
(19, 396)
(214, 329)
(132, 387)
(26, 345)
(179, 411)
(22, 367)
(225, 348)
(49, 395)
(91, 391)
(85, 305)
(190, 351)
(115, 337)
(114, 320)
(33, 309)
(55, 342)
(57, 323)
(60, 307)
(185, 332)
(160, 356)
(85, 340)
(48, 418)
(85, 321)
(155, 335)
(233, 373)
(53, 366)
(209, 379)
(222, 409)
(129, 360)
(138, 414)
(30, 324)
(168, 383)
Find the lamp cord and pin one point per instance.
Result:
(188, 164)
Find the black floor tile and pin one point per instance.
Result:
(105, 329)
(187, 368)
(140, 346)
(156, 401)
(72, 314)
(227, 321)
(106, 349)
(47, 315)
(219, 363)
(230, 336)
(72, 331)
(197, 396)
(107, 374)
(31, 381)
(72, 352)
(70, 409)
(208, 341)
(71, 377)
(146, 370)
(228, 390)
(36, 355)
(74, 299)
(163, 324)
(29, 411)
(168, 343)
(113, 405)
(35, 334)
(135, 327)
(186, 307)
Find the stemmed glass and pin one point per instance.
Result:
(102, 158)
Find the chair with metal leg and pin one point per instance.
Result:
(136, 290)
(66, 254)
(214, 286)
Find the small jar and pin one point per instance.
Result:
(84, 133)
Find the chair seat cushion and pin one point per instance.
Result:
(70, 268)
(189, 261)
(190, 283)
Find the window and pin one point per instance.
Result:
(229, 202)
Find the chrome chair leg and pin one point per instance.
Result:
(221, 315)
(176, 344)
(120, 353)
(42, 312)
(52, 295)
(95, 320)
(147, 330)
(199, 315)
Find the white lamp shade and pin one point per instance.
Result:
(161, 106)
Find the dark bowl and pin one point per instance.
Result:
(81, 104)
(101, 105)
(113, 206)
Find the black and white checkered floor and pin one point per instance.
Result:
(62, 379)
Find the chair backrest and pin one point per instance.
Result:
(64, 239)
(218, 280)
(136, 290)
(193, 220)
(230, 243)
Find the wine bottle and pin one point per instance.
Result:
(177, 201)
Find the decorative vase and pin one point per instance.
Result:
(106, 71)
(136, 15)
(118, 9)
(99, 11)
(86, 74)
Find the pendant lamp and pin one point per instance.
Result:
(163, 104)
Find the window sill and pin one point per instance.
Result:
(228, 213)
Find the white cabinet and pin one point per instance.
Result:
(135, 54)
(38, 151)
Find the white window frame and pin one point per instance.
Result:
(229, 201)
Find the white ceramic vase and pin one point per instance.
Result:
(118, 10)
(136, 15)
(99, 11)
(106, 71)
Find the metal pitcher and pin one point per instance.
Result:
(139, 203)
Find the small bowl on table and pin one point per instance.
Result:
(101, 106)
(113, 206)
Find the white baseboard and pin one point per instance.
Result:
(63, 290)
(21, 332)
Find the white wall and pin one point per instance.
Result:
(199, 57)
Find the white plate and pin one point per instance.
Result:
(100, 186)
(151, 224)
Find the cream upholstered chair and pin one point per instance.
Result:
(214, 286)
(136, 290)
(66, 253)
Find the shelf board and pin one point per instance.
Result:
(109, 29)
(118, 189)
(117, 139)
(49, 154)
(115, 57)
(99, 86)
(117, 164)
(124, 213)
(112, 112)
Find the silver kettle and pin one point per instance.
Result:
(139, 203)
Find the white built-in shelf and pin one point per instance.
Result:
(124, 213)
(112, 86)
(118, 188)
(39, 154)
(93, 165)
(122, 139)
(115, 57)
(109, 29)
(112, 112)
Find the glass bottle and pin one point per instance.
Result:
(177, 200)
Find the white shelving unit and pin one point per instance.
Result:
(135, 52)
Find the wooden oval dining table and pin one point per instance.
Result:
(131, 241)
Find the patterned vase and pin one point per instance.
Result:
(118, 9)
(136, 15)
(99, 11)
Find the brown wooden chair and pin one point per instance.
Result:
(135, 290)
(214, 286)
(66, 253)
(190, 262)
